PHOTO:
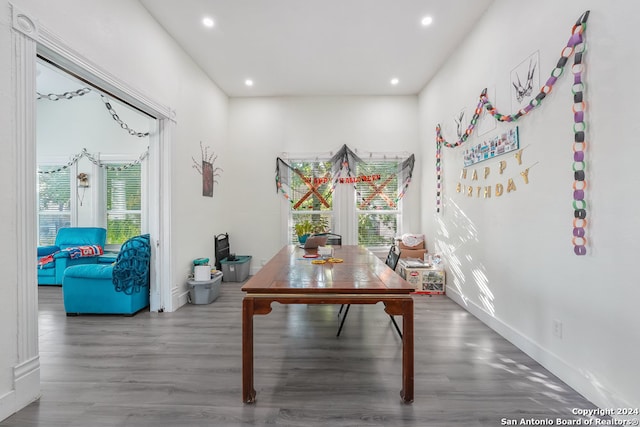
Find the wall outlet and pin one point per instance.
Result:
(263, 262)
(557, 328)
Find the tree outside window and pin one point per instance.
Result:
(124, 203)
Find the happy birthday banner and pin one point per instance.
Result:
(575, 47)
(477, 187)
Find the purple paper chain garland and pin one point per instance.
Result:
(439, 142)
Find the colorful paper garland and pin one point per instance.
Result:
(576, 47)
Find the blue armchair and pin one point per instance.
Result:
(68, 237)
(118, 288)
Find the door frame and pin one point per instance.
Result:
(28, 41)
(54, 50)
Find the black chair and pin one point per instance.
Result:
(222, 250)
(392, 262)
(334, 239)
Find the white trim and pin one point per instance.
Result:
(579, 381)
(26, 382)
(26, 379)
(23, 23)
(160, 225)
(57, 51)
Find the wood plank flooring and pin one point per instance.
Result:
(184, 369)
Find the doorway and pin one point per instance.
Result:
(92, 159)
(127, 113)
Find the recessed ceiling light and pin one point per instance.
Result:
(248, 82)
(426, 21)
(395, 81)
(207, 22)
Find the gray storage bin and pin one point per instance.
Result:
(237, 270)
(205, 291)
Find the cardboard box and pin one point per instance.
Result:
(426, 280)
(416, 251)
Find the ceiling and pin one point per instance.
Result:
(318, 47)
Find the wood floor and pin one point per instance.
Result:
(184, 369)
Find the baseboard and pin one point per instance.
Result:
(8, 405)
(568, 373)
(179, 297)
(26, 388)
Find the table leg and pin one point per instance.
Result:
(407, 351)
(248, 392)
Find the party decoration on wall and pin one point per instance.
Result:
(85, 90)
(83, 180)
(460, 122)
(438, 171)
(486, 126)
(118, 120)
(95, 161)
(478, 182)
(500, 144)
(575, 47)
(83, 183)
(361, 178)
(67, 95)
(341, 169)
(524, 78)
(205, 167)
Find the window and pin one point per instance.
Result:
(123, 202)
(311, 198)
(365, 208)
(377, 205)
(54, 203)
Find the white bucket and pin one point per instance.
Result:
(201, 272)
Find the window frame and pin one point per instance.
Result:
(398, 212)
(101, 197)
(344, 204)
(291, 213)
(52, 162)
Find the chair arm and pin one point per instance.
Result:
(61, 254)
(47, 250)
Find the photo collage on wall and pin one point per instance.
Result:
(500, 144)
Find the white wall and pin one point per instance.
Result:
(510, 259)
(261, 129)
(121, 38)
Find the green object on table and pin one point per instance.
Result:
(201, 261)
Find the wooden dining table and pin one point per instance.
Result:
(354, 276)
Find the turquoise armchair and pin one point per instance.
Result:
(51, 273)
(118, 288)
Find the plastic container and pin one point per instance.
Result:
(201, 273)
(236, 270)
(205, 291)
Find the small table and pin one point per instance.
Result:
(362, 278)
